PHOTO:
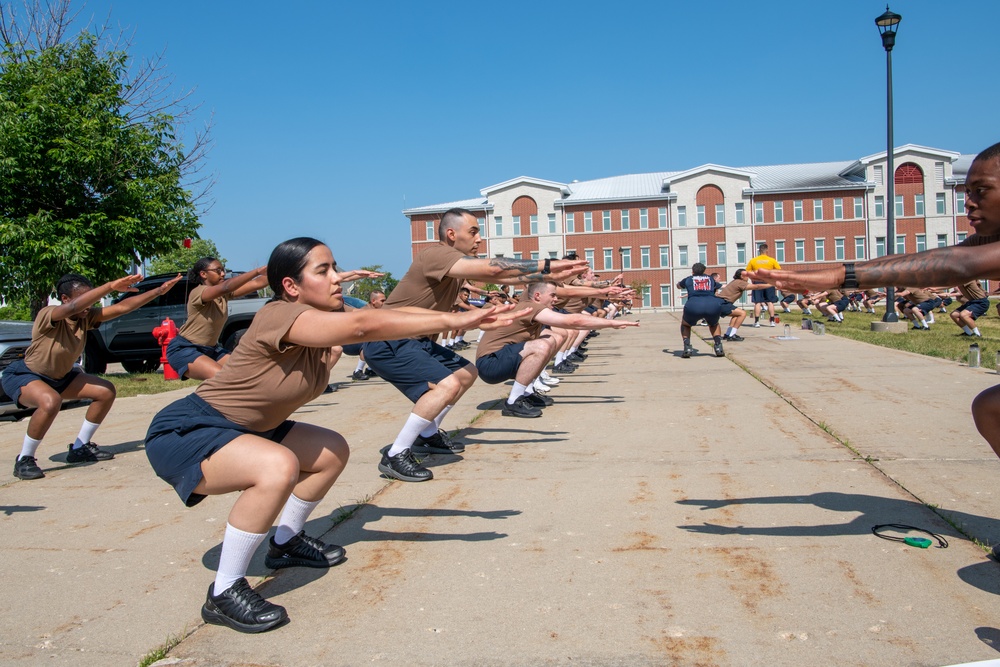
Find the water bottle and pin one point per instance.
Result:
(974, 355)
(998, 363)
(819, 328)
(788, 331)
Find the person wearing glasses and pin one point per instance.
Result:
(195, 352)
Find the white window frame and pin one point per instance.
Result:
(839, 249)
(797, 210)
(552, 223)
(819, 248)
(626, 219)
(817, 209)
(740, 215)
(859, 207)
(921, 242)
(682, 251)
(643, 218)
(879, 206)
(701, 215)
(627, 259)
(609, 259)
(703, 253)
(900, 208)
(779, 251)
(741, 254)
(758, 211)
(665, 295)
(664, 255)
(515, 221)
(533, 225)
(644, 257)
(720, 254)
(942, 240)
(498, 225)
(682, 216)
(838, 208)
(662, 217)
(959, 202)
(859, 247)
(429, 230)
(606, 221)
(879, 246)
(800, 250)
(940, 203)
(918, 205)
(588, 221)
(779, 211)
(570, 223)
(720, 215)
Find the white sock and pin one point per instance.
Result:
(976, 332)
(238, 548)
(736, 330)
(930, 320)
(86, 433)
(459, 339)
(516, 392)
(730, 331)
(560, 355)
(571, 351)
(481, 332)
(433, 427)
(411, 429)
(293, 518)
(29, 447)
(361, 366)
(966, 329)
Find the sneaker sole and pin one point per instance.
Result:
(523, 416)
(389, 472)
(278, 563)
(29, 477)
(216, 618)
(426, 451)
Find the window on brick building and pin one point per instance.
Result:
(817, 209)
(800, 250)
(838, 208)
(430, 230)
(740, 220)
(959, 237)
(533, 225)
(859, 207)
(606, 221)
(879, 206)
(647, 299)
(644, 257)
(589, 256)
(820, 250)
(703, 253)
(534, 255)
(779, 211)
(682, 255)
(662, 215)
(720, 254)
(959, 202)
(921, 242)
(859, 247)
(643, 218)
(758, 211)
(664, 255)
(588, 221)
(741, 253)
(939, 203)
(899, 206)
(797, 209)
(701, 216)
(720, 214)
(779, 251)
(900, 244)
(665, 296)
(838, 249)
(918, 205)
(627, 259)
(517, 255)
(609, 258)
(942, 240)
(625, 219)
(570, 223)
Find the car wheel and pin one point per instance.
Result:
(234, 339)
(92, 360)
(147, 365)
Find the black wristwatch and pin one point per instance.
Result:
(547, 269)
(850, 278)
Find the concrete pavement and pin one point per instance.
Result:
(664, 512)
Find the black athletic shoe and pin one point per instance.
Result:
(403, 466)
(564, 367)
(359, 376)
(330, 389)
(242, 608)
(439, 443)
(89, 453)
(26, 467)
(369, 373)
(735, 338)
(520, 408)
(460, 345)
(303, 551)
(686, 353)
(538, 400)
(576, 357)
(719, 352)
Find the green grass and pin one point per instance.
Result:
(133, 384)
(941, 341)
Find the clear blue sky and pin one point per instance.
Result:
(331, 117)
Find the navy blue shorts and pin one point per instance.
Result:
(707, 307)
(181, 353)
(727, 308)
(788, 298)
(841, 304)
(354, 349)
(17, 375)
(768, 295)
(929, 305)
(590, 309)
(187, 432)
(977, 307)
(411, 364)
(501, 365)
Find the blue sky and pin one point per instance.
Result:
(331, 117)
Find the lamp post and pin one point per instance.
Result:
(887, 23)
(621, 252)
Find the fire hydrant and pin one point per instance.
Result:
(165, 333)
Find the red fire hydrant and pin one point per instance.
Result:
(165, 333)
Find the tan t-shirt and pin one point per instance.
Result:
(972, 290)
(205, 320)
(427, 283)
(918, 295)
(732, 290)
(55, 346)
(834, 295)
(520, 330)
(266, 380)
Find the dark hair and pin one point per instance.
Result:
(194, 273)
(287, 261)
(70, 283)
(736, 276)
(452, 219)
(698, 269)
(570, 255)
(761, 246)
(991, 153)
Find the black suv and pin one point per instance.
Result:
(129, 339)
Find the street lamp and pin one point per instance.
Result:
(621, 251)
(887, 23)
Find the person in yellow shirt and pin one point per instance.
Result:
(768, 296)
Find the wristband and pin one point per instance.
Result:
(850, 278)
(547, 269)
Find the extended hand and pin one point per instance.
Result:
(796, 281)
(564, 269)
(126, 284)
(165, 287)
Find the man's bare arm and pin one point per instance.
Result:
(516, 271)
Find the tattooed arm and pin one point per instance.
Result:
(942, 266)
(516, 271)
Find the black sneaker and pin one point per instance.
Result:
(26, 467)
(439, 443)
(242, 609)
(719, 352)
(576, 357)
(734, 338)
(686, 353)
(330, 389)
(460, 345)
(370, 373)
(520, 408)
(80, 455)
(403, 466)
(303, 551)
(359, 375)
(564, 367)
(538, 400)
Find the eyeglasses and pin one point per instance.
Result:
(220, 271)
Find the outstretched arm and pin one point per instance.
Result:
(130, 304)
(516, 271)
(580, 321)
(941, 266)
(251, 281)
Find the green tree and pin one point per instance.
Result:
(180, 259)
(90, 183)
(362, 288)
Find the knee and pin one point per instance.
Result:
(280, 469)
(986, 406)
(49, 402)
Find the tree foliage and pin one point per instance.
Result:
(89, 183)
(180, 259)
(363, 287)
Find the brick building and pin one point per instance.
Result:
(653, 227)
